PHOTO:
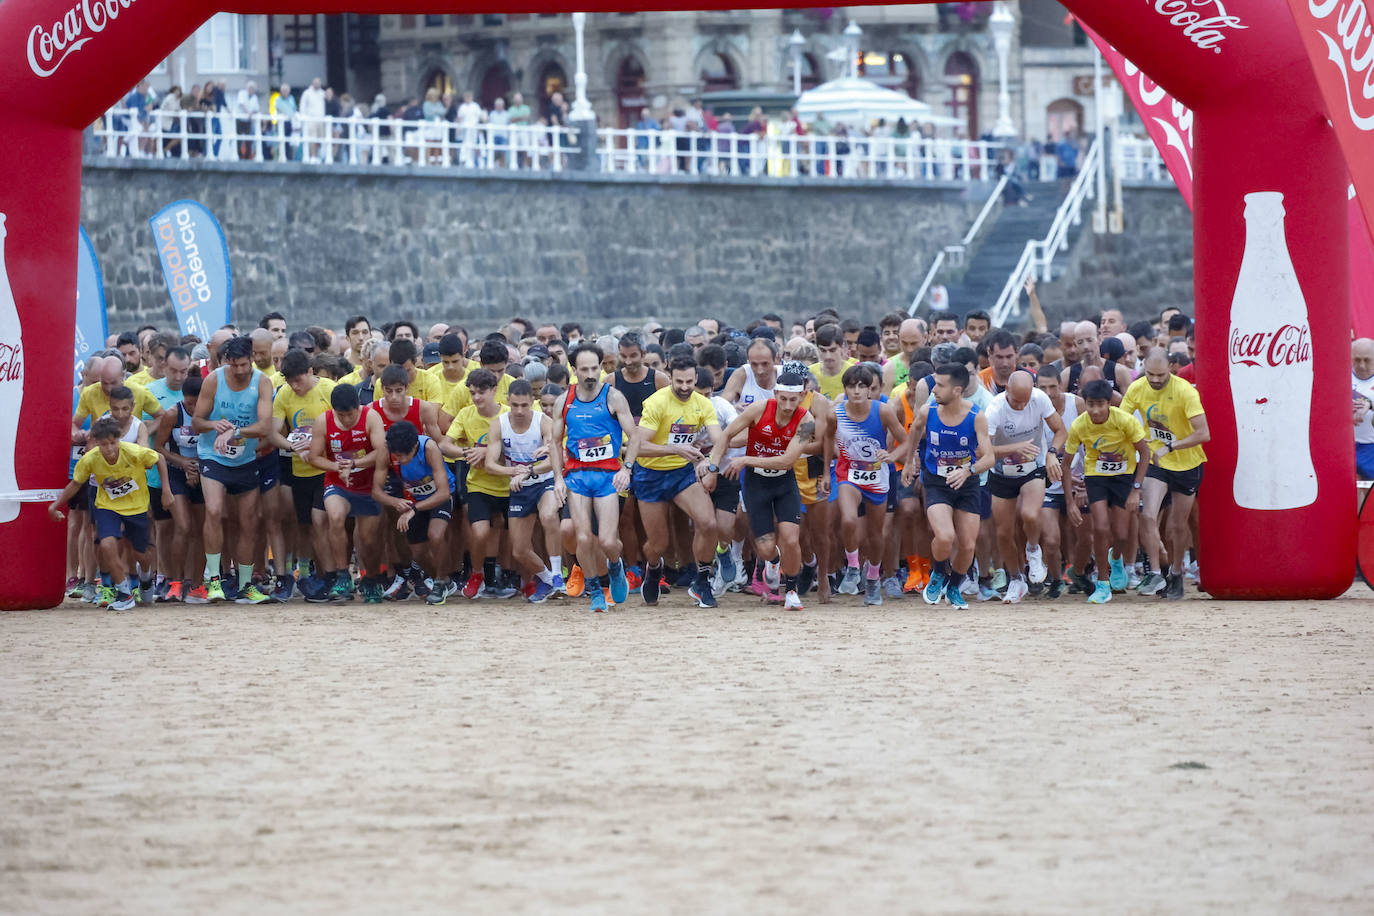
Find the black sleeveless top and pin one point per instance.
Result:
(636, 393)
(1108, 373)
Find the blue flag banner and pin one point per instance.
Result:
(195, 264)
(92, 324)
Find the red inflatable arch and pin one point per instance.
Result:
(1260, 126)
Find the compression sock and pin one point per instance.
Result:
(211, 566)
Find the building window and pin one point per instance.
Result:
(225, 44)
(718, 74)
(493, 19)
(298, 35)
(432, 21)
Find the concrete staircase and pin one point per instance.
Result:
(1000, 248)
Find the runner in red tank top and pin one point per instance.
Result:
(397, 404)
(778, 431)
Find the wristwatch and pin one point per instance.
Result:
(713, 469)
(1171, 446)
(1135, 485)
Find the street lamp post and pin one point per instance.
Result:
(581, 108)
(796, 43)
(1001, 23)
(852, 33)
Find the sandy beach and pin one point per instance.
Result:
(502, 757)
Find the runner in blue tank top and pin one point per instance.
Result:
(957, 449)
(425, 506)
(233, 410)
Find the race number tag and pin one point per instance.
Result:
(864, 473)
(598, 449)
(118, 488)
(945, 470)
(423, 489)
(682, 434)
(234, 448)
(1111, 467)
(1162, 436)
(1018, 470)
(771, 472)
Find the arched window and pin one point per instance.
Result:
(890, 69)
(629, 90)
(718, 74)
(496, 84)
(551, 79)
(961, 82)
(810, 72)
(1063, 117)
(437, 78)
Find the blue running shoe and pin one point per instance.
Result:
(955, 598)
(987, 593)
(1102, 594)
(702, 594)
(935, 588)
(1118, 575)
(598, 599)
(620, 586)
(727, 566)
(542, 590)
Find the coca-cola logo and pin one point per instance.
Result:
(1352, 26)
(11, 362)
(1289, 345)
(48, 48)
(1203, 30)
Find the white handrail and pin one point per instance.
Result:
(1040, 253)
(966, 241)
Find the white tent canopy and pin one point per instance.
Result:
(858, 102)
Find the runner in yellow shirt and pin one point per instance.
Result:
(94, 401)
(453, 366)
(299, 402)
(487, 495)
(120, 512)
(830, 370)
(493, 358)
(423, 385)
(1177, 428)
(1116, 457)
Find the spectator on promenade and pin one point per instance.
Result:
(192, 104)
(499, 119)
(284, 115)
(470, 118)
(246, 109)
(312, 112)
(646, 122)
(171, 122)
(725, 144)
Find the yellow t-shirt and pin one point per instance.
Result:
(94, 403)
(1109, 448)
(1167, 412)
(831, 386)
(141, 377)
(298, 412)
(425, 387)
(469, 430)
(460, 397)
(353, 378)
(274, 377)
(123, 486)
(444, 384)
(674, 421)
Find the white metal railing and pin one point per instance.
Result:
(1039, 253)
(668, 152)
(956, 252)
(222, 135)
(1137, 160)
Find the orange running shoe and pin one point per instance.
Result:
(198, 595)
(174, 590)
(576, 583)
(632, 578)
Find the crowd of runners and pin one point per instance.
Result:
(944, 460)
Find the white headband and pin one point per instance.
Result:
(790, 389)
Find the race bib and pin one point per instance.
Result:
(598, 449)
(944, 470)
(234, 449)
(186, 438)
(119, 488)
(1018, 470)
(1162, 436)
(533, 478)
(423, 489)
(864, 474)
(771, 472)
(682, 434)
(1111, 467)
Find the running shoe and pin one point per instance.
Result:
(124, 601)
(1153, 584)
(1101, 594)
(726, 561)
(504, 590)
(1016, 590)
(915, 582)
(175, 591)
(438, 594)
(285, 590)
(577, 583)
(421, 584)
(540, 593)
(807, 580)
(160, 589)
(999, 580)
(987, 592)
(892, 587)
(1117, 579)
(792, 602)
(214, 590)
(557, 585)
(772, 575)
(395, 589)
(1035, 560)
(1133, 578)
(1175, 589)
(314, 589)
(873, 592)
(759, 587)
(1055, 590)
(849, 585)
(342, 589)
(89, 593)
(107, 596)
(620, 586)
(74, 587)
(633, 578)
(251, 595)
(955, 597)
(373, 591)
(969, 586)
(474, 586)
(230, 589)
(451, 589)
(1190, 572)
(935, 588)
(598, 600)
(138, 596)
(687, 576)
(702, 594)
(664, 586)
(198, 595)
(648, 589)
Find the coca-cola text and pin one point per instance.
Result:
(1288, 346)
(1353, 25)
(11, 362)
(68, 34)
(1202, 30)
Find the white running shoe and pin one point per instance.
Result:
(792, 602)
(969, 586)
(396, 585)
(771, 574)
(1036, 561)
(1133, 578)
(1016, 590)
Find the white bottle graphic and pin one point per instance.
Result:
(11, 385)
(1270, 350)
